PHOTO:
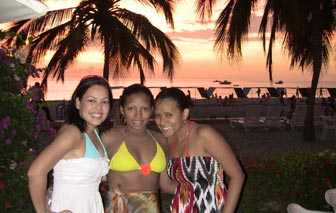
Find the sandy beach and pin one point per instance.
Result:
(272, 142)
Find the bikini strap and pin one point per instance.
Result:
(101, 142)
(150, 134)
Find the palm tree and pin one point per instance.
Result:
(128, 39)
(307, 27)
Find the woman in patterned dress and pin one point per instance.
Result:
(199, 159)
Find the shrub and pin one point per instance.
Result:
(20, 132)
(299, 177)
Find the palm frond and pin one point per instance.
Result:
(163, 6)
(232, 27)
(204, 8)
(46, 41)
(153, 39)
(67, 51)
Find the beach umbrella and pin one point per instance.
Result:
(17, 10)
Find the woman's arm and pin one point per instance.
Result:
(217, 146)
(166, 184)
(63, 143)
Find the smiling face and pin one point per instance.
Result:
(137, 111)
(168, 117)
(94, 106)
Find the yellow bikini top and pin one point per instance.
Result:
(123, 161)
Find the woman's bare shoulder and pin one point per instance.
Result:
(204, 129)
(69, 130)
(207, 133)
(68, 136)
(113, 132)
(113, 136)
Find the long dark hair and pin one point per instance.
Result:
(73, 116)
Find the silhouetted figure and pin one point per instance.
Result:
(258, 92)
(323, 102)
(189, 99)
(284, 91)
(37, 96)
(281, 98)
(292, 107)
(297, 93)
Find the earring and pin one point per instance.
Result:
(122, 119)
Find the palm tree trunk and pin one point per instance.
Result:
(309, 131)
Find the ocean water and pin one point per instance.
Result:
(63, 91)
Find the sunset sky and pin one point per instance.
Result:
(195, 43)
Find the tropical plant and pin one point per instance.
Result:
(128, 39)
(307, 27)
(294, 177)
(19, 129)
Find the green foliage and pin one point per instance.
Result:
(296, 177)
(19, 131)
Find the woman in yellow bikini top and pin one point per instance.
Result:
(123, 160)
(137, 156)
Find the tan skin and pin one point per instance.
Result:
(137, 112)
(69, 143)
(205, 141)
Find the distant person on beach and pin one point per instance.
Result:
(77, 155)
(297, 93)
(282, 98)
(220, 101)
(189, 98)
(323, 102)
(226, 101)
(137, 156)
(258, 92)
(285, 92)
(37, 97)
(199, 156)
(292, 107)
